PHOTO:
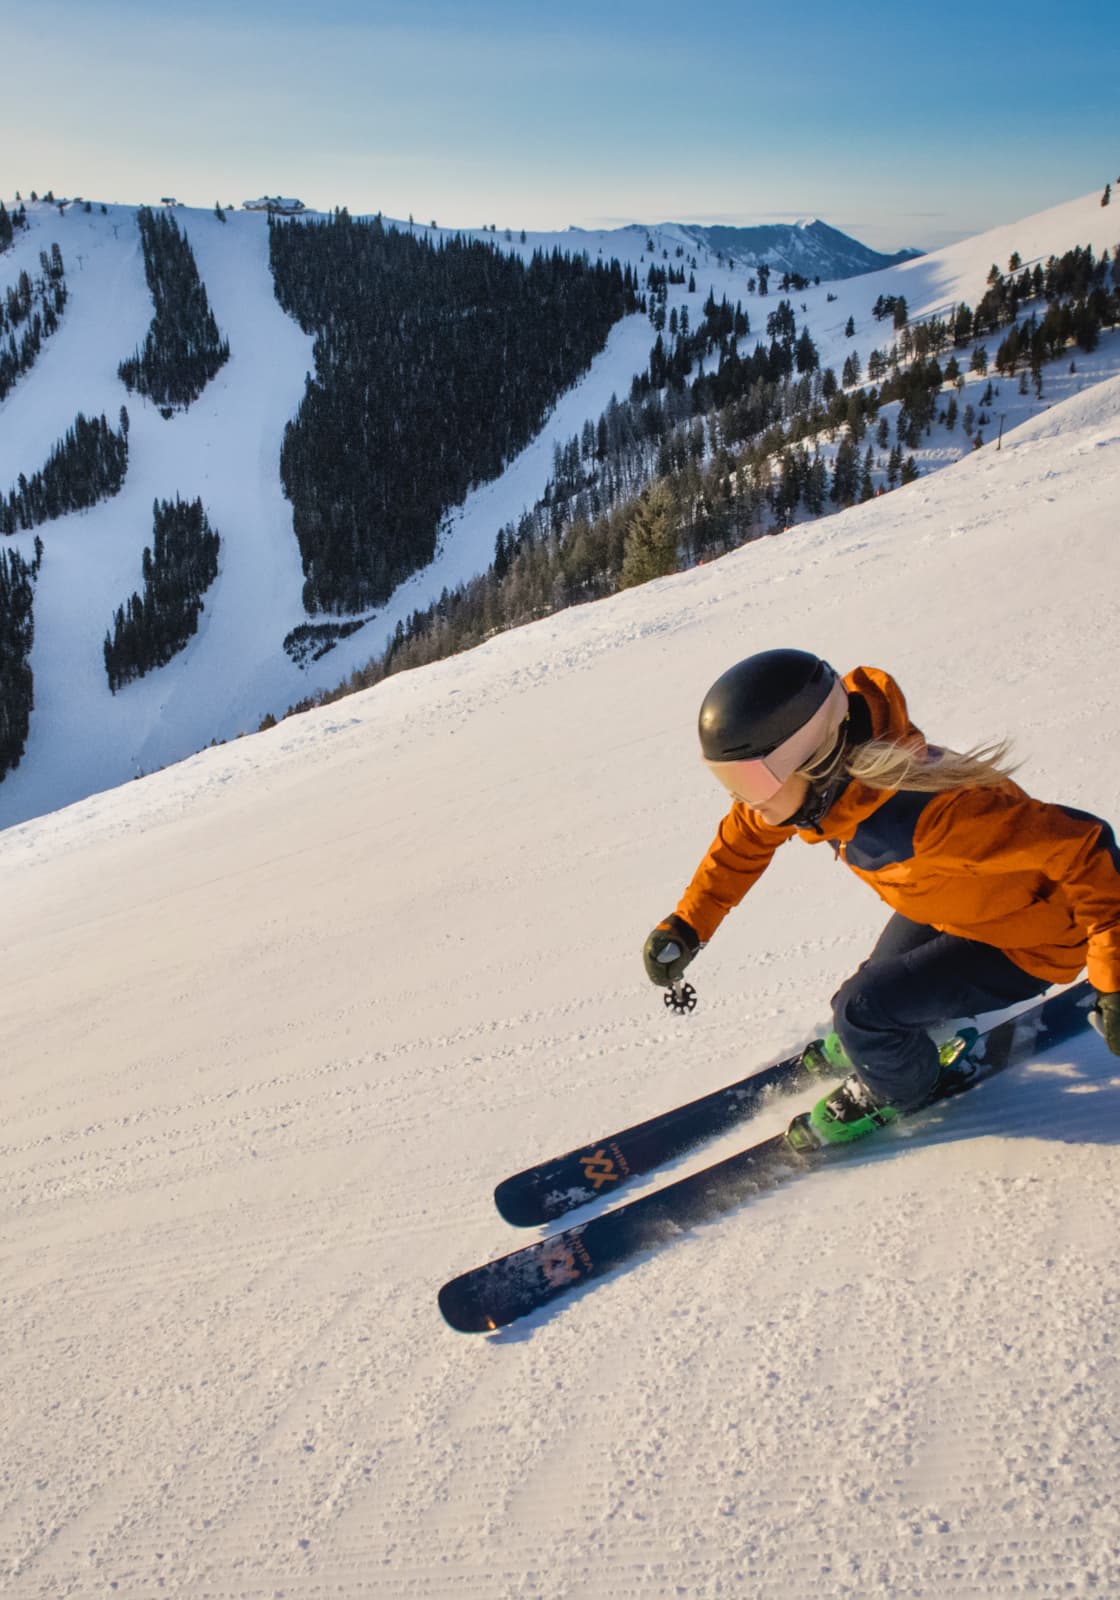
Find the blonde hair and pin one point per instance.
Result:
(929, 769)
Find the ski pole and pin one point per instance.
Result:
(680, 997)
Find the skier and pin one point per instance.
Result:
(995, 895)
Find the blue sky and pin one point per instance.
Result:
(901, 126)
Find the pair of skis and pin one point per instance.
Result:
(499, 1292)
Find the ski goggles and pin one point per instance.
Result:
(755, 781)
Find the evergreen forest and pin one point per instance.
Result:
(434, 365)
(17, 634)
(182, 349)
(29, 314)
(86, 466)
(179, 567)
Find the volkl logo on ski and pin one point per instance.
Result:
(599, 1169)
(563, 1261)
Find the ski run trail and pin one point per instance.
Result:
(225, 450)
(275, 1020)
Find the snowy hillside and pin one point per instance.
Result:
(274, 1022)
(225, 450)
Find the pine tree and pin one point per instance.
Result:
(816, 486)
(845, 472)
(651, 545)
(806, 358)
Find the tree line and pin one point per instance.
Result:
(29, 313)
(711, 397)
(87, 465)
(435, 362)
(9, 222)
(1078, 277)
(1079, 322)
(183, 348)
(17, 635)
(178, 567)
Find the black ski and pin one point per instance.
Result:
(501, 1291)
(545, 1192)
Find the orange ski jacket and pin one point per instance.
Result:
(1040, 882)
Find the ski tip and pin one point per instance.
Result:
(461, 1310)
(515, 1205)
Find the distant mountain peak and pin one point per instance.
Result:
(806, 246)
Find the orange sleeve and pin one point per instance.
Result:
(739, 855)
(991, 832)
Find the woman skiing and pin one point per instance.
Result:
(996, 896)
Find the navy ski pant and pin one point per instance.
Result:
(915, 978)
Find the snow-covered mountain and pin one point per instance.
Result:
(274, 1021)
(809, 248)
(225, 450)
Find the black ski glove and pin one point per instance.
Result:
(669, 949)
(1105, 1017)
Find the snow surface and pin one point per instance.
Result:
(274, 1021)
(226, 448)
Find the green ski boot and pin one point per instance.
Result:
(852, 1112)
(826, 1058)
(849, 1112)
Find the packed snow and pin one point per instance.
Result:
(275, 1021)
(226, 447)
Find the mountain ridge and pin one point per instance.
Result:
(810, 247)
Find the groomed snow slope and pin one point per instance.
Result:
(274, 1021)
(226, 450)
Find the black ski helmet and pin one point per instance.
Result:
(761, 702)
